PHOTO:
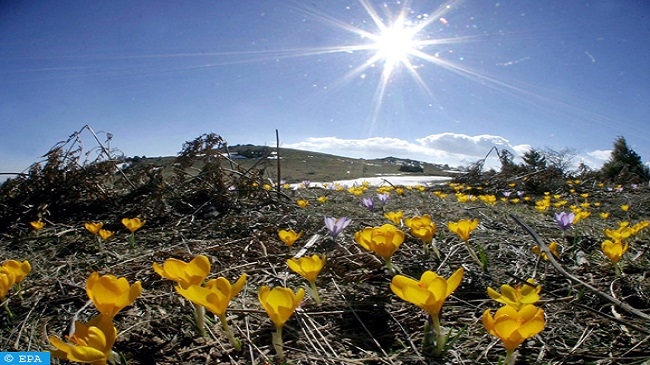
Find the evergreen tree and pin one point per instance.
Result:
(625, 165)
(534, 160)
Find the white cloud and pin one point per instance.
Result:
(520, 149)
(453, 149)
(595, 159)
(602, 155)
(446, 148)
(462, 144)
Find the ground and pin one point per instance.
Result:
(360, 319)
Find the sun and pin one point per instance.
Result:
(395, 43)
(401, 40)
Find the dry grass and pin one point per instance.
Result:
(360, 320)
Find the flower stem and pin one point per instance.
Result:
(473, 254)
(277, 342)
(11, 315)
(427, 341)
(617, 269)
(132, 240)
(440, 336)
(231, 337)
(434, 245)
(391, 268)
(314, 291)
(510, 358)
(199, 317)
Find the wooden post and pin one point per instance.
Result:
(277, 155)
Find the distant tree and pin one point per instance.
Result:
(508, 167)
(561, 160)
(534, 160)
(624, 165)
(411, 168)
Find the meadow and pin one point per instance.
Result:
(230, 213)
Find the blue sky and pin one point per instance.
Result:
(430, 80)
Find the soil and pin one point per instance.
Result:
(360, 320)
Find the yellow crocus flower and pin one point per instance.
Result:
(639, 227)
(307, 267)
(489, 199)
(105, 234)
(289, 237)
(580, 215)
(133, 224)
(551, 247)
(110, 294)
(384, 240)
(542, 205)
(395, 217)
(93, 227)
(215, 295)
(463, 228)
(514, 326)
(302, 203)
(625, 207)
(37, 225)
(559, 203)
(91, 342)
(614, 249)
(6, 282)
(322, 199)
(421, 227)
(620, 234)
(280, 303)
(430, 292)
(184, 273)
(517, 297)
(462, 198)
(18, 269)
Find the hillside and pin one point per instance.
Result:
(299, 165)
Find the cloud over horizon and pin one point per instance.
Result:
(453, 149)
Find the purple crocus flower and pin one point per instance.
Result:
(520, 193)
(368, 203)
(565, 220)
(506, 193)
(383, 197)
(306, 183)
(336, 225)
